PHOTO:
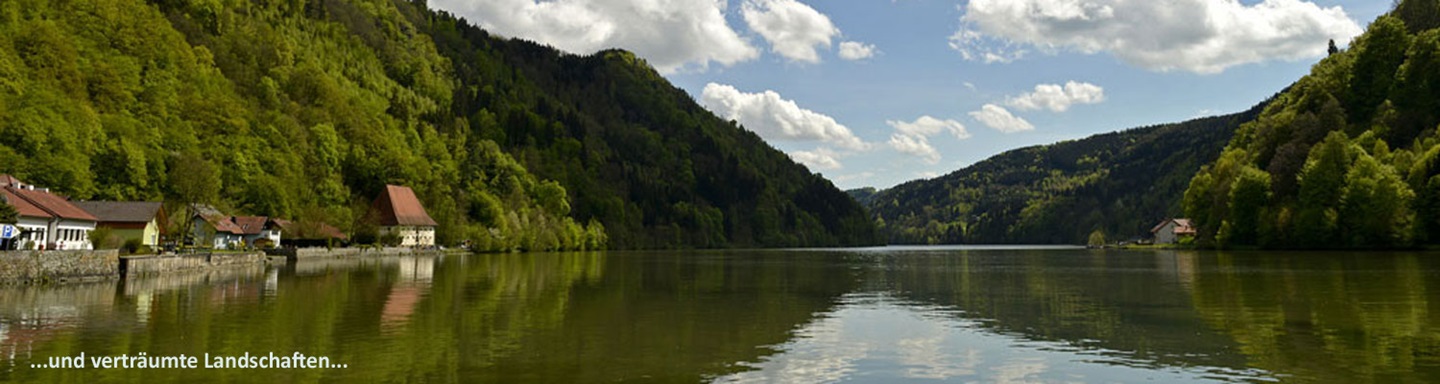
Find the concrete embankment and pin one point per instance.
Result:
(160, 264)
(34, 267)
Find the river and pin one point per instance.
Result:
(894, 314)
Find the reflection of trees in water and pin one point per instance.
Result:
(1347, 317)
(1128, 305)
(528, 317)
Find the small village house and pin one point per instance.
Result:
(213, 229)
(1171, 231)
(258, 231)
(310, 234)
(401, 213)
(129, 220)
(47, 221)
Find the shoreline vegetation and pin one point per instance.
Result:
(306, 110)
(1346, 158)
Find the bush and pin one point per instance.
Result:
(391, 239)
(132, 246)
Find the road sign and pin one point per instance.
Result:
(8, 231)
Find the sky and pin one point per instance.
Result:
(874, 93)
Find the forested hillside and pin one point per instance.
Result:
(307, 108)
(1347, 157)
(1119, 183)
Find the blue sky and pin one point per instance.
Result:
(879, 92)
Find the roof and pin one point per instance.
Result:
(220, 221)
(292, 230)
(250, 225)
(398, 205)
(53, 205)
(23, 207)
(121, 211)
(6, 179)
(1182, 226)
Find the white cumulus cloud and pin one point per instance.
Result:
(820, 158)
(793, 29)
(1202, 36)
(1058, 98)
(1000, 119)
(929, 126)
(671, 34)
(775, 118)
(854, 50)
(914, 137)
(915, 145)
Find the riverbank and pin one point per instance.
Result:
(46, 267)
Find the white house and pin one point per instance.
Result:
(47, 221)
(212, 229)
(1171, 231)
(258, 230)
(402, 214)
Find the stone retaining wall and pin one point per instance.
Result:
(31, 267)
(149, 265)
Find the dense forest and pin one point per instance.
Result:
(305, 109)
(1118, 183)
(1347, 157)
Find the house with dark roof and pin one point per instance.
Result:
(211, 228)
(143, 220)
(310, 234)
(1171, 231)
(47, 221)
(258, 231)
(401, 213)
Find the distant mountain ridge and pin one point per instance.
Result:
(1119, 183)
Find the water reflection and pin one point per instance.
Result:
(878, 315)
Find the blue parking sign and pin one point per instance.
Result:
(7, 232)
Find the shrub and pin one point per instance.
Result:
(132, 246)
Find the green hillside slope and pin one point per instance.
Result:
(307, 108)
(1347, 157)
(1119, 183)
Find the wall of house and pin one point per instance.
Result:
(30, 267)
(73, 235)
(37, 231)
(1166, 234)
(151, 234)
(412, 236)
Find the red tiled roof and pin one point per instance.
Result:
(398, 205)
(250, 225)
(25, 208)
(52, 204)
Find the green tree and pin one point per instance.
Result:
(1248, 198)
(1322, 183)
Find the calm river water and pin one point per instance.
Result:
(873, 315)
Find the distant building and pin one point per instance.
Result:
(128, 220)
(1171, 231)
(257, 231)
(310, 234)
(400, 213)
(211, 228)
(46, 220)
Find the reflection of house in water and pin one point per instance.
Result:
(221, 286)
(1177, 265)
(413, 285)
(32, 315)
